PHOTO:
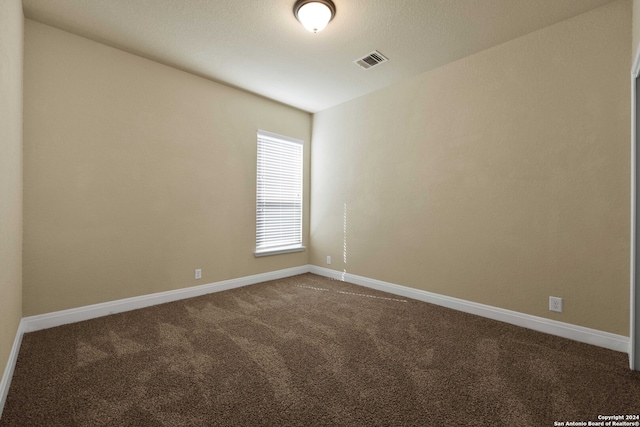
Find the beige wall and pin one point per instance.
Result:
(636, 27)
(136, 174)
(11, 47)
(502, 178)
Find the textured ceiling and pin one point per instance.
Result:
(259, 46)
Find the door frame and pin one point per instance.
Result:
(634, 321)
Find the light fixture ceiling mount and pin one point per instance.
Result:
(314, 15)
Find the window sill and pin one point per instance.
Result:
(278, 251)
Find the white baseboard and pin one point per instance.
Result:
(58, 318)
(553, 327)
(5, 382)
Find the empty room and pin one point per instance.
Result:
(346, 212)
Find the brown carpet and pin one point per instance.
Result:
(310, 351)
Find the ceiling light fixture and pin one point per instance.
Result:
(314, 15)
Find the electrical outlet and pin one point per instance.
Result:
(328, 259)
(555, 304)
(198, 273)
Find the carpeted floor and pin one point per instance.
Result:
(310, 351)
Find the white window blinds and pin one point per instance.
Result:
(279, 193)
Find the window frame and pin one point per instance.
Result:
(271, 247)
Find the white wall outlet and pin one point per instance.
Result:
(328, 259)
(198, 273)
(555, 304)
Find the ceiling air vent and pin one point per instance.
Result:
(371, 60)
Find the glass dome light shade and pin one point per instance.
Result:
(314, 16)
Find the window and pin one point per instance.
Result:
(279, 195)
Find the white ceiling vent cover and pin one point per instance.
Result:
(371, 60)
